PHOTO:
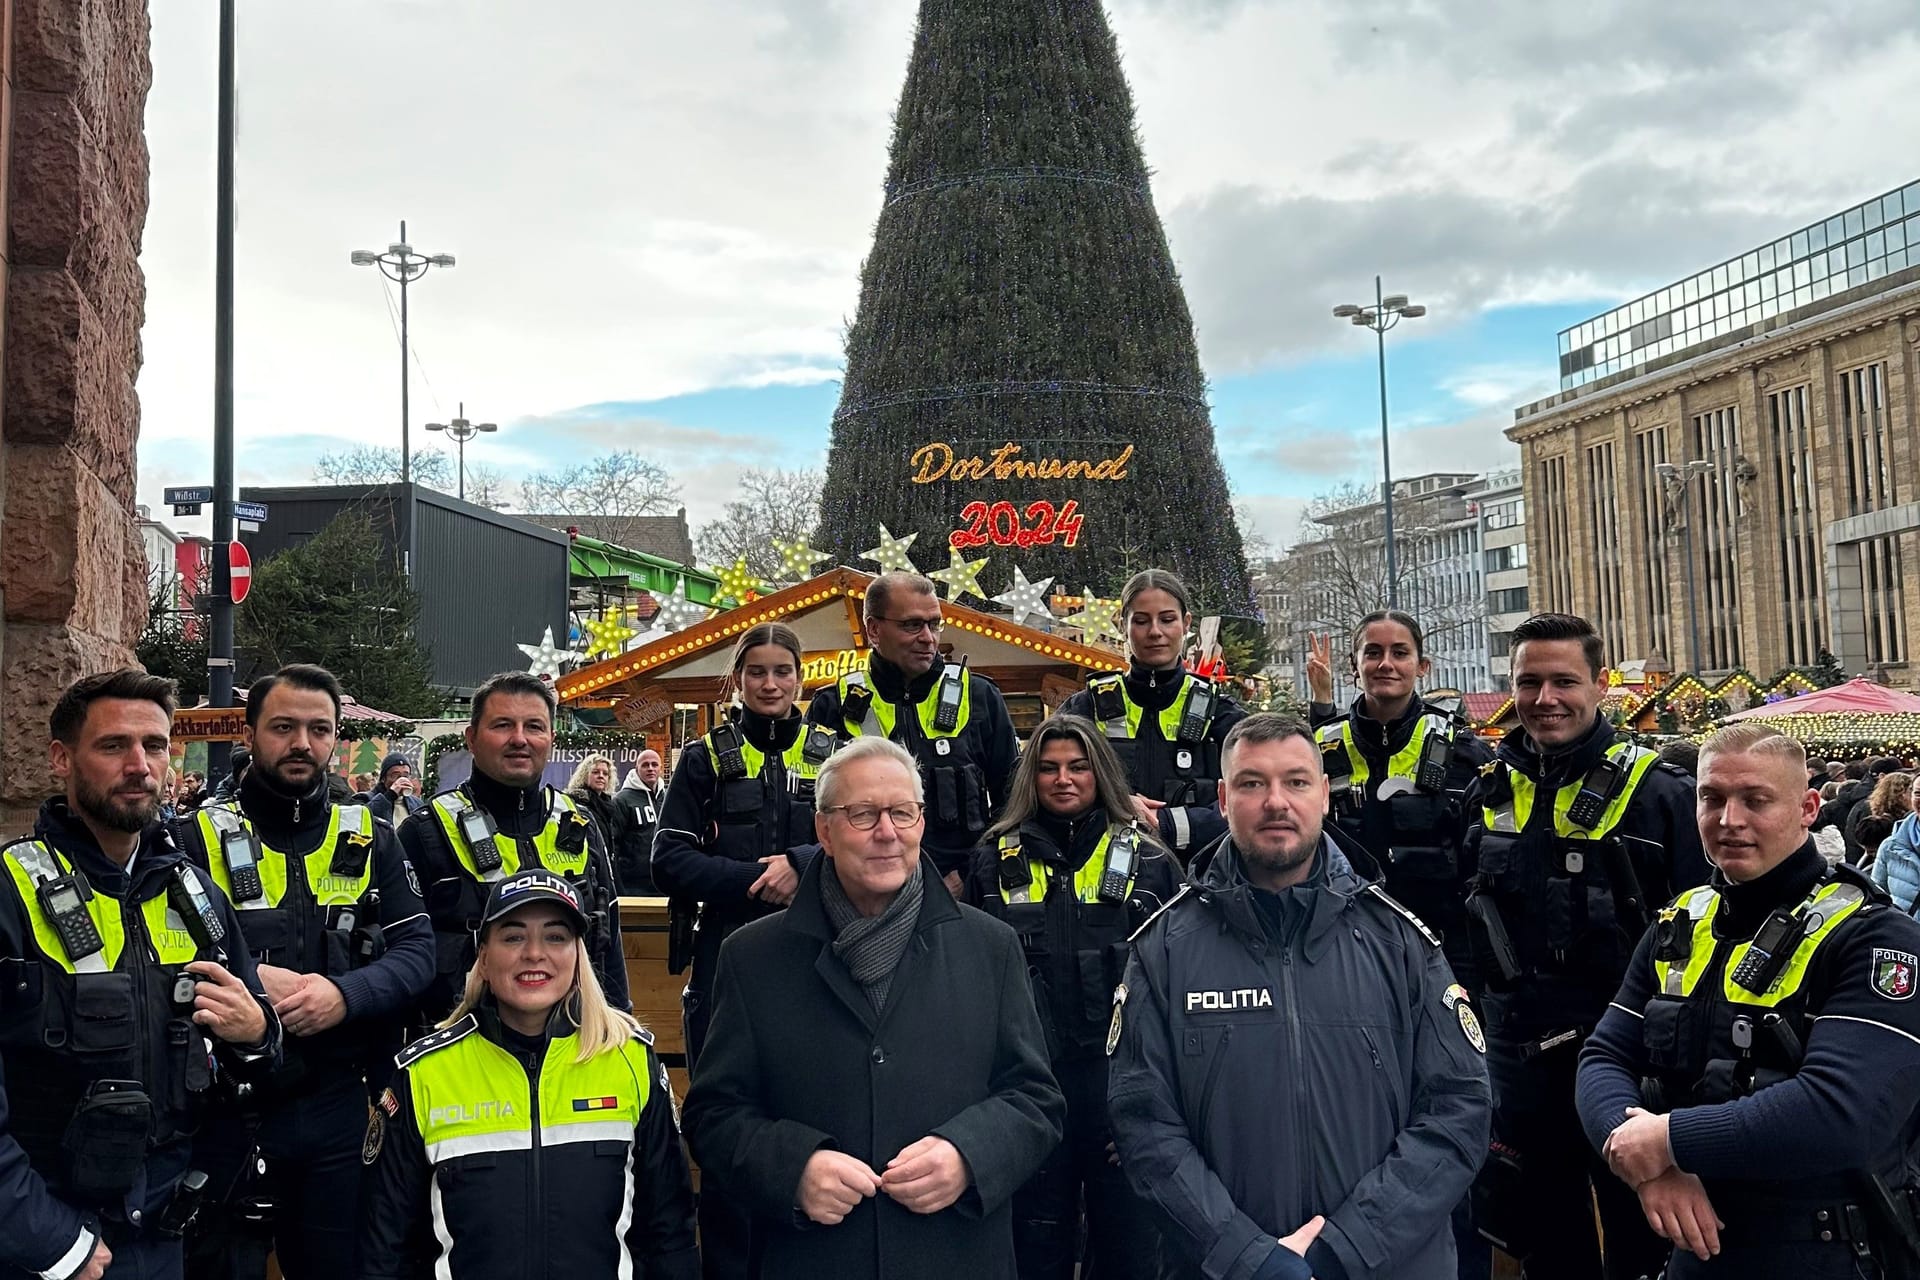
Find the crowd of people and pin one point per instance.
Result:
(1169, 990)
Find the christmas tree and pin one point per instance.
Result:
(1022, 381)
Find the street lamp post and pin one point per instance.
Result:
(461, 431)
(1386, 312)
(403, 266)
(1681, 477)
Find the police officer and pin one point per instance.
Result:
(1074, 873)
(118, 963)
(1576, 834)
(1166, 723)
(1297, 1084)
(502, 818)
(954, 722)
(735, 833)
(640, 796)
(329, 909)
(533, 1134)
(1754, 1079)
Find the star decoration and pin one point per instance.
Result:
(797, 558)
(1096, 618)
(607, 635)
(961, 575)
(547, 658)
(891, 554)
(1026, 599)
(737, 582)
(677, 612)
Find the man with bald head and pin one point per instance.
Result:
(951, 720)
(1757, 1078)
(638, 803)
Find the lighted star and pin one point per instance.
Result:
(797, 558)
(891, 554)
(607, 635)
(1096, 618)
(961, 575)
(1026, 599)
(737, 582)
(677, 612)
(547, 658)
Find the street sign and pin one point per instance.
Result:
(239, 571)
(254, 511)
(193, 494)
(186, 508)
(209, 724)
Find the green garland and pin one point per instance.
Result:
(566, 738)
(355, 729)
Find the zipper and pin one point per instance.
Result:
(1213, 1077)
(533, 1173)
(1302, 1176)
(1373, 1049)
(138, 955)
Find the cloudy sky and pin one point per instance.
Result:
(660, 210)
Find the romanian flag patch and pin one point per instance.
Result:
(595, 1104)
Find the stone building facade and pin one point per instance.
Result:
(1753, 498)
(74, 76)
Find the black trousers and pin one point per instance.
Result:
(1533, 1110)
(1120, 1242)
(1796, 1261)
(312, 1148)
(725, 1226)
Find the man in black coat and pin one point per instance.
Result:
(640, 797)
(874, 1087)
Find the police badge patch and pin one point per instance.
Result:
(413, 877)
(376, 1134)
(1113, 1028)
(1893, 973)
(1455, 998)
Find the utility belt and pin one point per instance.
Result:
(1882, 1225)
(956, 794)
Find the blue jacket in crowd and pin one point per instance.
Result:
(1896, 868)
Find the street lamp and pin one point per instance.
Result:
(462, 431)
(1681, 477)
(1386, 312)
(403, 266)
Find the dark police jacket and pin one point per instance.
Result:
(1569, 934)
(118, 1025)
(1075, 943)
(1851, 1103)
(523, 1163)
(1263, 1074)
(1184, 775)
(454, 896)
(967, 781)
(378, 950)
(797, 1060)
(1415, 838)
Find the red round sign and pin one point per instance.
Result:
(239, 571)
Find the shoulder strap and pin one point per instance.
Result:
(1147, 924)
(1401, 911)
(437, 1040)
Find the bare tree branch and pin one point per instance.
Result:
(370, 464)
(770, 504)
(615, 484)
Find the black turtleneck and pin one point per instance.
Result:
(1284, 911)
(772, 737)
(1744, 906)
(517, 811)
(1154, 689)
(891, 683)
(1385, 736)
(1074, 836)
(285, 822)
(1553, 768)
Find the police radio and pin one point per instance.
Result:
(1597, 790)
(1769, 952)
(242, 857)
(191, 902)
(953, 683)
(1197, 711)
(64, 901)
(1122, 857)
(1431, 773)
(480, 840)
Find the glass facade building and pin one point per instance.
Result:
(1859, 245)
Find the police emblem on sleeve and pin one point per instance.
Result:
(1113, 1027)
(376, 1134)
(1893, 973)
(1456, 999)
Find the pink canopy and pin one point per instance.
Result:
(1856, 696)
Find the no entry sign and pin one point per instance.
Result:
(240, 571)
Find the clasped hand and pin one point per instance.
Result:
(925, 1178)
(1638, 1150)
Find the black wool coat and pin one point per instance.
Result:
(797, 1060)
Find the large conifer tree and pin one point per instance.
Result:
(1020, 291)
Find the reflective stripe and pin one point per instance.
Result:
(214, 823)
(1182, 828)
(1869, 1022)
(1169, 716)
(878, 722)
(625, 1221)
(560, 1135)
(450, 806)
(793, 759)
(1086, 881)
(1614, 1004)
(1830, 903)
(31, 864)
(1513, 814)
(476, 1143)
(443, 1266)
(1404, 763)
(1699, 904)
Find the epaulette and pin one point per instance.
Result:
(1148, 922)
(437, 1040)
(643, 1035)
(1401, 910)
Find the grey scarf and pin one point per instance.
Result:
(872, 946)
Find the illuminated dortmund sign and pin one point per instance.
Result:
(1022, 382)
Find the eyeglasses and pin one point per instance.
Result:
(914, 626)
(865, 817)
